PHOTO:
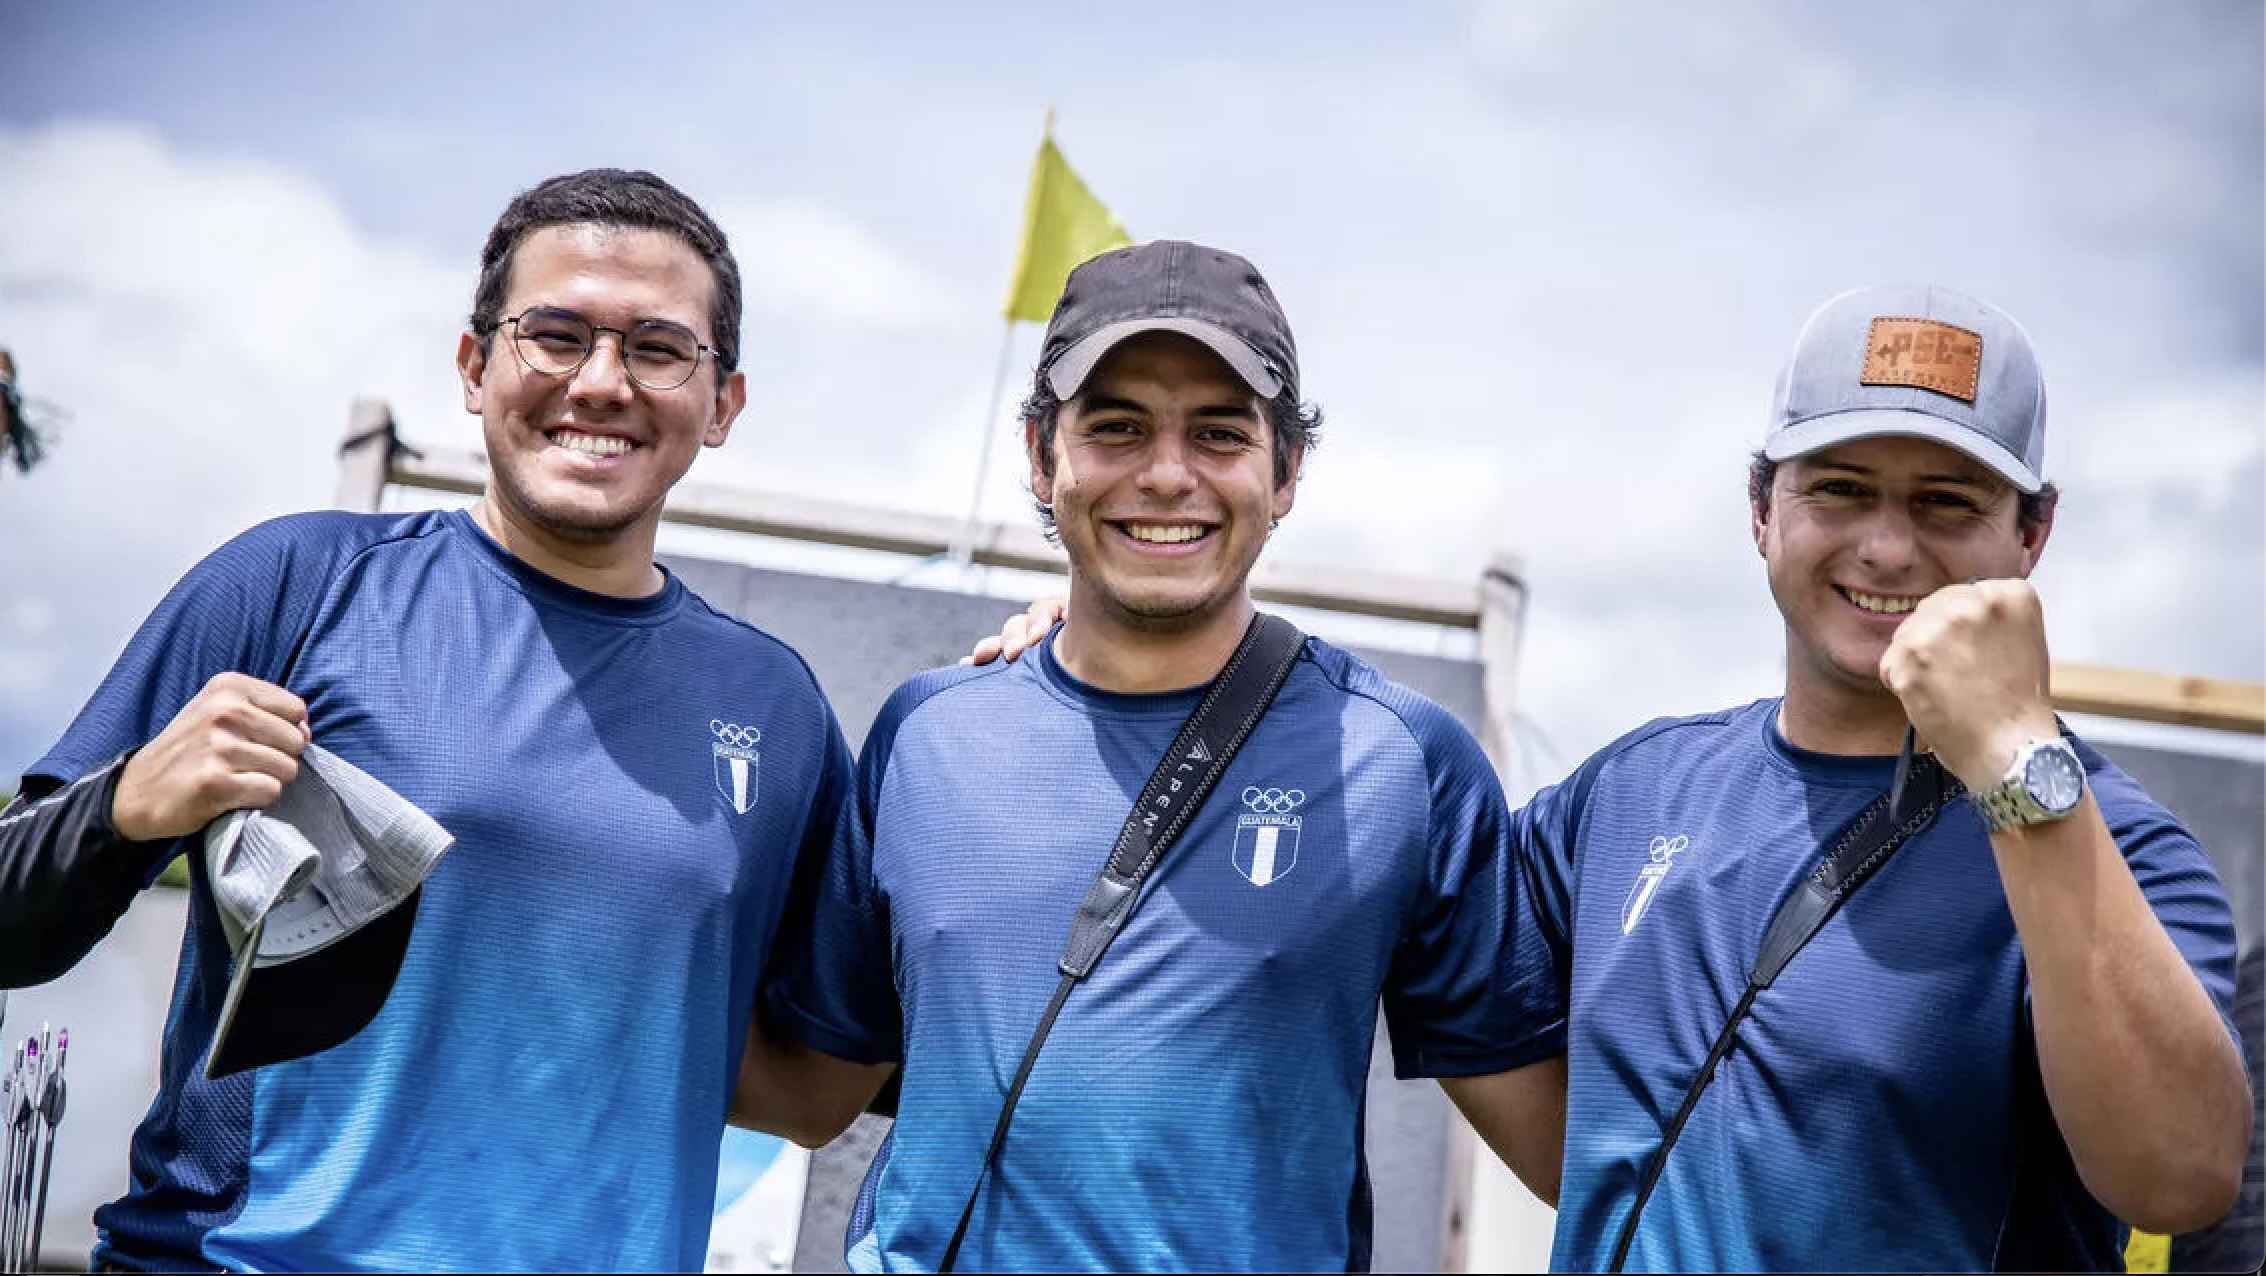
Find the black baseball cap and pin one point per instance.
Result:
(1212, 296)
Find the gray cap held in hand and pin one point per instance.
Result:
(317, 894)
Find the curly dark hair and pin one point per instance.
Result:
(631, 199)
(2030, 510)
(1297, 429)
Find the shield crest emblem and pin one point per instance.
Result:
(1266, 847)
(739, 768)
(1640, 896)
(1663, 852)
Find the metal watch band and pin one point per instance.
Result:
(2002, 805)
(2009, 803)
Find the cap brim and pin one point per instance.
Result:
(289, 1010)
(1070, 370)
(1834, 429)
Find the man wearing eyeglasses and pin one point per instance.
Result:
(628, 775)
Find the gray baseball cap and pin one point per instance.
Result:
(318, 897)
(1215, 297)
(1914, 360)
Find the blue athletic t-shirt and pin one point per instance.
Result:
(1882, 1108)
(629, 782)
(1198, 1104)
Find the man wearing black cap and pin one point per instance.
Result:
(1197, 1101)
(517, 1056)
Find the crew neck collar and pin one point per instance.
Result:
(1176, 704)
(545, 588)
(1872, 770)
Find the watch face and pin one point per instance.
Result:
(2055, 779)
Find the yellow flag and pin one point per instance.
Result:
(2148, 1252)
(1063, 225)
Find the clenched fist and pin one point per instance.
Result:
(231, 748)
(1971, 668)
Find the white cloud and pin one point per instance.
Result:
(2159, 555)
(1609, 229)
(205, 322)
(1542, 278)
(2191, 441)
(802, 262)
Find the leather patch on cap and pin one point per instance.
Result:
(1928, 353)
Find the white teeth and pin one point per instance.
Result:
(591, 444)
(1163, 535)
(1881, 603)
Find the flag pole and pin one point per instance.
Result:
(963, 551)
(964, 545)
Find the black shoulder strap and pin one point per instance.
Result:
(1861, 850)
(1191, 767)
(1854, 856)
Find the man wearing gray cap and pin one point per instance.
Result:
(1197, 1100)
(2017, 1034)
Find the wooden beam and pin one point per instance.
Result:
(2180, 699)
(363, 456)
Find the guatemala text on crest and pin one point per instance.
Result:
(1266, 834)
(738, 765)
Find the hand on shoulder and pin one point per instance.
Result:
(1020, 632)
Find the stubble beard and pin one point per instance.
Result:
(1166, 617)
(1810, 657)
(1158, 612)
(568, 524)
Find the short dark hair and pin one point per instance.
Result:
(622, 198)
(1297, 428)
(2031, 509)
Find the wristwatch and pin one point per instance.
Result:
(2044, 784)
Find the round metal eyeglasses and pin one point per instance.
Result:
(657, 354)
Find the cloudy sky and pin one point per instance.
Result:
(1544, 258)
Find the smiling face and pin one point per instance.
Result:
(1855, 536)
(1163, 485)
(584, 459)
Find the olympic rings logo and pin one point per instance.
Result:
(1665, 849)
(737, 737)
(1273, 801)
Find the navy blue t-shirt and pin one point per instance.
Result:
(1198, 1105)
(629, 782)
(1882, 1109)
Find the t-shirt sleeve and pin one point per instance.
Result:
(1473, 989)
(242, 609)
(834, 987)
(1544, 833)
(2181, 887)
